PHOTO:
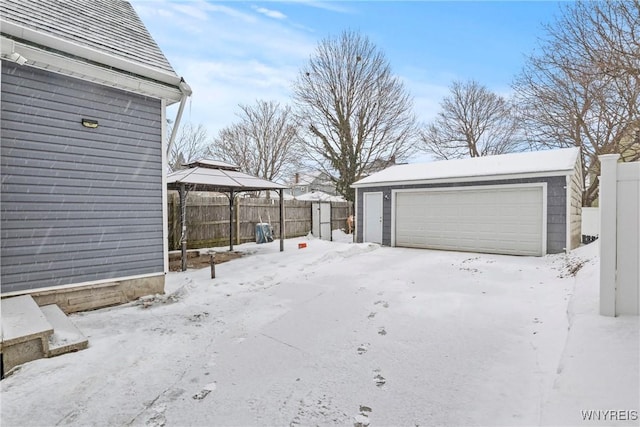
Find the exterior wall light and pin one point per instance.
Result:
(90, 123)
(19, 59)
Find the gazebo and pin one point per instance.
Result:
(221, 177)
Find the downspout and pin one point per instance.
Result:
(186, 93)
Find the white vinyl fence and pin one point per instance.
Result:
(619, 236)
(590, 224)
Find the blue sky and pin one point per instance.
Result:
(237, 52)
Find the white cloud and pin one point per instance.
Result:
(426, 100)
(238, 57)
(229, 11)
(219, 86)
(228, 55)
(148, 10)
(331, 6)
(270, 13)
(427, 91)
(190, 11)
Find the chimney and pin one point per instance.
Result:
(297, 178)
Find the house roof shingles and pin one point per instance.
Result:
(109, 26)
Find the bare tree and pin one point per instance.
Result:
(609, 34)
(473, 122)
(188, 146)
(353, 110)
(582, 89)
(263, 142)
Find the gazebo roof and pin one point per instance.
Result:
(212, 175)
(213, 164)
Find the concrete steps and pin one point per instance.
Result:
(66, 336)
(30, 332)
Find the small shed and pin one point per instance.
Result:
(516, 204)
(221, 177)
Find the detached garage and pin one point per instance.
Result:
(515, 204)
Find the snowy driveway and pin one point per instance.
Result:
(335, 333)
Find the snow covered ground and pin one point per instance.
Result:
(347, 334)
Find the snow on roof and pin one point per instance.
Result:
(553, 162)
(213, 164)
(208, 179)
(274, 195)
(320, 196)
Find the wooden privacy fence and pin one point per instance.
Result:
(208, 218)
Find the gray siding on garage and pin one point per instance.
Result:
(556, 207)
(77, 204)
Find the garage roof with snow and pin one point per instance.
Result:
(538, 163)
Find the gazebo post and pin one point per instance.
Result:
(231, 200)
(183, 226)
(281, 220)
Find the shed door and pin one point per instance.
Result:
(372, 217)
(321, 220)
(503, 220)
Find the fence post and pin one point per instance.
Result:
(608, 238)
(281, 220)
(174, 223)
(238, 220)
(183, 226)
(231, 203)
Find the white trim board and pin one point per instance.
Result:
(57, 63)
(87, 52)
(165, 209)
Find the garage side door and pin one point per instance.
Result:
(505, 220)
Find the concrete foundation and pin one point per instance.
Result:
(26, 351)
(92, 297)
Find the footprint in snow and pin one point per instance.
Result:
(205, 391)
(384, 303)
(363, 348)
(382, 331)
(379, 379)
(372, 315)
(362, 419)
(158, 419)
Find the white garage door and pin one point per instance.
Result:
(503, 220)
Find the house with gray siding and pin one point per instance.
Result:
(517, 204)
(306, 182)
(84, 92)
